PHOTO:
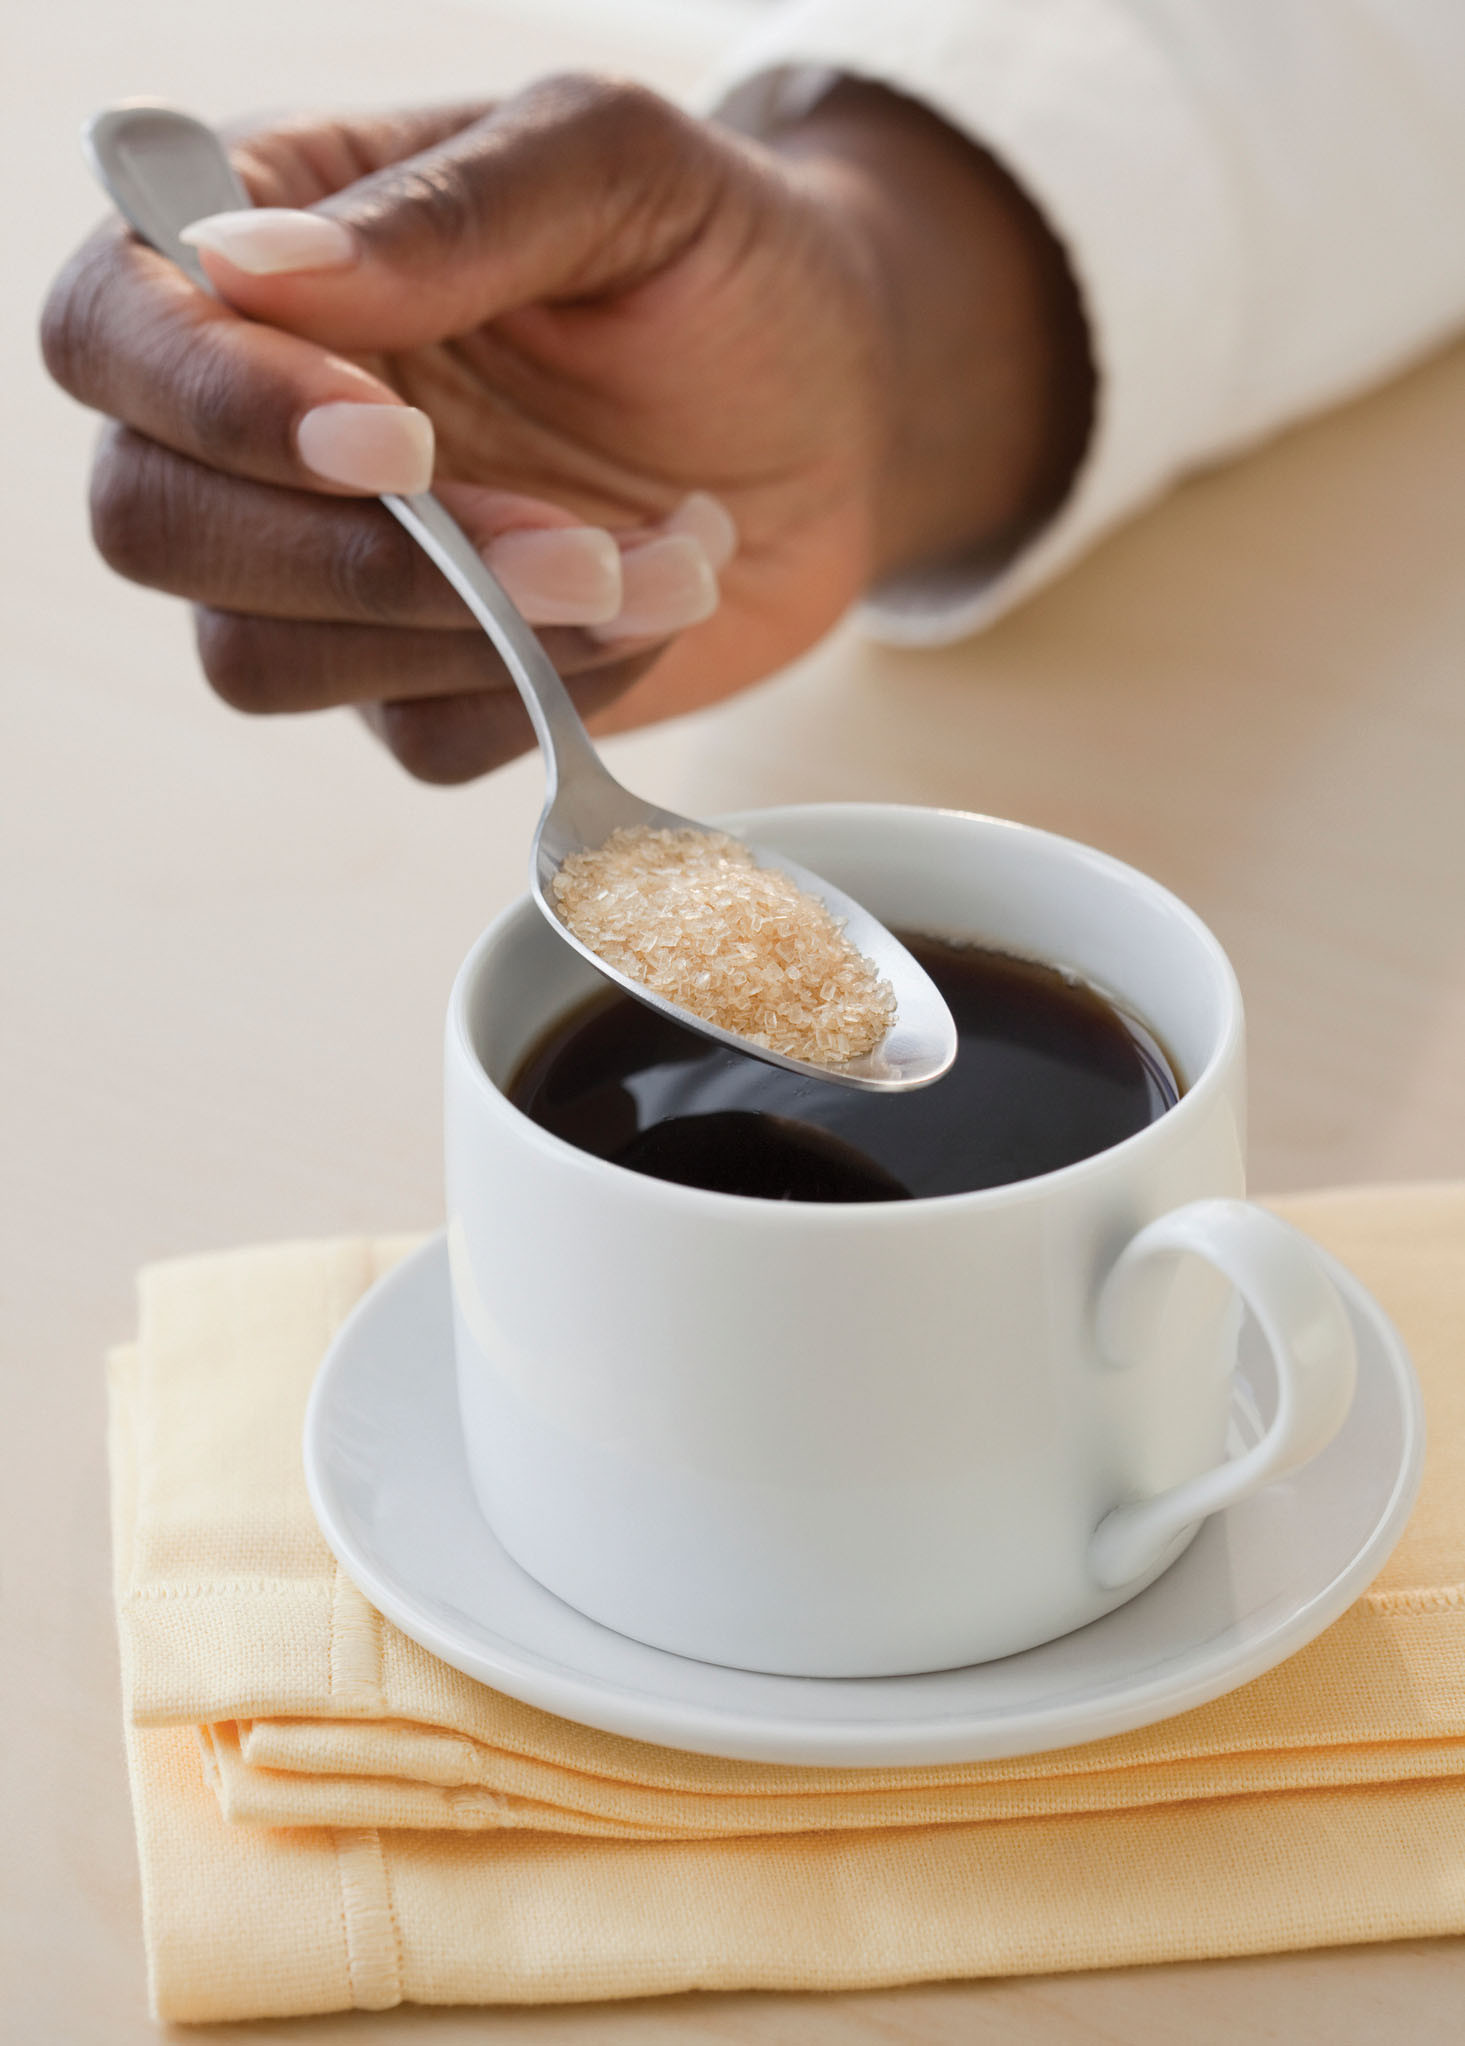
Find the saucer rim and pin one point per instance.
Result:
(986, 1734)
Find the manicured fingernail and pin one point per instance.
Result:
(371, 447)
(270, 241)
(665, 585)
(708, 520)
(559, 575)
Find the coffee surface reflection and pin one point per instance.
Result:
(1048, 1072)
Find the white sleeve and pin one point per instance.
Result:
(1262, 202)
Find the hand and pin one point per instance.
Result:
(622, 343)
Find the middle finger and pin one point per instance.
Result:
(271, 665)
(172, 524)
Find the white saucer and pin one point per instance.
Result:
(385, 1468)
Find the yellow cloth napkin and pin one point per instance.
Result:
(329, 1817)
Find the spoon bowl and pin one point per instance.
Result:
(163, 170)
(584, 804)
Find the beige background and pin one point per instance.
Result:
(226, 946)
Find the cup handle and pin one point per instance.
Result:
(1282, 1281)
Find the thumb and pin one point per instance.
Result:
(574, 189)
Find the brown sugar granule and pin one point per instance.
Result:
(693, 916)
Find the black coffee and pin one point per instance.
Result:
(1047, 1072)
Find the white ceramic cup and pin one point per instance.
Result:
(869, 1439)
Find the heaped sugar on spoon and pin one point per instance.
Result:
(728, 938)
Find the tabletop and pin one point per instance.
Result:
(228, 942)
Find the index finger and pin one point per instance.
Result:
(126, 333)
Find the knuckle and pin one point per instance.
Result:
(123, 507)
(647, 161)
(426, 213)
(375, 570)
(71, 322)
(237, 661)
(613, 105)
(445, 740)
(225, 409)
(447, 204)
(58, 333)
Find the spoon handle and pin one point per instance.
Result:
(163, 170)
(562, 737)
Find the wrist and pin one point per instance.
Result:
(985, 390)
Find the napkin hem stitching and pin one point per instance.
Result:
(374, 1963)
(1440, 1598)
(260, 1586)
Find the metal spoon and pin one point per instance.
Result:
(163, 169)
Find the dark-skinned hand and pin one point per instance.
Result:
(691, 394)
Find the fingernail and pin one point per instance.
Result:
(561, 575)
(269, 241)
(371, 447)
(665, 585)
(706, 519)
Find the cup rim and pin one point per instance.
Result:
(1173, 1125)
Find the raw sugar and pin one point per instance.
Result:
(692, 916)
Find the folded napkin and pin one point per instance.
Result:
(328, 1817)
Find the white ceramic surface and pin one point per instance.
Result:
(897, 1436)
(384, 1461)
